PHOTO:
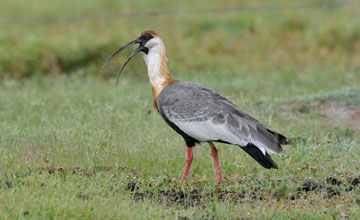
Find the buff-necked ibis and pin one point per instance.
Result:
(200, 114)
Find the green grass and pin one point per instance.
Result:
(292, 42)
(71, 141)
(113, 136)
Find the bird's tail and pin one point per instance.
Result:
(257, 154)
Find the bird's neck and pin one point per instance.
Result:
(158, 72)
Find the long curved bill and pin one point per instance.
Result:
(129, 58)
(116, 52)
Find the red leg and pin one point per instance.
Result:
(188, 163)
(214, 153)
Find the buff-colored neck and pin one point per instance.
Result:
(158, 72)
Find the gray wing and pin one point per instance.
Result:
(205, 115)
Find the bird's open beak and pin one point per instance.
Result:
(141, 47)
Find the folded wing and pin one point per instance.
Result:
(205, 115)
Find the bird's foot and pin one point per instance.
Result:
(183, 178)
(219, 180)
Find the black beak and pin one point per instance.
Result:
(141, 47)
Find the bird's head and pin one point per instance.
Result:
(149, 42)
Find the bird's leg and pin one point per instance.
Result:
(189, 159)
(214, 153)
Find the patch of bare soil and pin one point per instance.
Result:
(327, 189)
(335, 111)
(342, 116)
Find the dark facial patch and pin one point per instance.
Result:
(145, 37)
(145, 50)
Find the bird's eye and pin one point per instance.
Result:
(146, 37)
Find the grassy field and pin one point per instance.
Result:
(75, 146)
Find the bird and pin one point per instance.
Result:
(200, 114)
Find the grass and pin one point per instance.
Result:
(104, 137)
(73, 145)
(293, 42)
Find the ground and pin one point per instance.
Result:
(73, 145)
(84, 148)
